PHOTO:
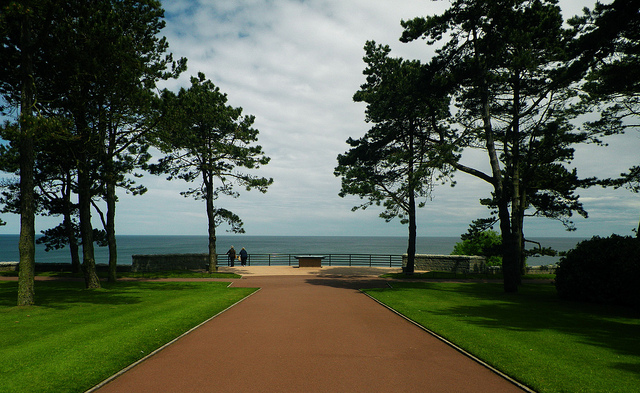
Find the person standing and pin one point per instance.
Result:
(231, 254)
(243, 257)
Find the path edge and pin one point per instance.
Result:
(132, 365)
(454, 346)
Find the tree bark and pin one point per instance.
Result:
(411, 248)
(111, 229)
(91, 280)
(518, 192)
(84, 201)
(26, 245)
(211, 221)
(69, 229)
(509, 258)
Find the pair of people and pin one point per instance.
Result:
(231, 254)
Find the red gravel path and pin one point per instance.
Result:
(308, 334)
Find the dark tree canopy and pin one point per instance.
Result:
(395, 164)
(208, 141)
(83, 75)
(510, 78)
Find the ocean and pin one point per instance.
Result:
(132, 245)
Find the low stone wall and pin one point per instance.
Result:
(9, 266)
(545, 269)
(155, 263)
(448, 263)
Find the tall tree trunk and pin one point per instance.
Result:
(110, 180)
(111, 228)
(411, 248)
(211, 220)
(69, 229)
(522, 259)
(91, 280)
(518, 191)
(108, 144)
(26, 245)
(509, 257)
(74, 249)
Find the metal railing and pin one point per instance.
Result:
(371, 260)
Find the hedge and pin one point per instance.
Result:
(602, 270)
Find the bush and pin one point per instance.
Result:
(602, 270)
(486, 244)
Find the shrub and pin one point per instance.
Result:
(486, 244)
(602, 270)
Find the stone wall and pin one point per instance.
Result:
(448, 263)
(154, 263)
(9, 266)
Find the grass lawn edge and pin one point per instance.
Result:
(134, 364)
(454, 346)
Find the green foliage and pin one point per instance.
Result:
(89, 69)
(57, 237)
(396, 160)
(505, 66)
(207, 140)
(612, 86)
(486, 243)
(603, 270)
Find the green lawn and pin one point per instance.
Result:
(150, 275)
(548, 344)
(463, 276)
(75, 338)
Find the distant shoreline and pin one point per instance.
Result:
(129, 245)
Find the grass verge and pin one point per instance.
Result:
(149, 275)
(548, 344)
(463, 276)
(75, 338)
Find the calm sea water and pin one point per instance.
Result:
(131, 245)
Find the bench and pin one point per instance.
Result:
(310, 260)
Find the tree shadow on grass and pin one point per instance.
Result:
(537, 308)
(355, 283)
(66, 294)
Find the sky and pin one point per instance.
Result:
(295, 65)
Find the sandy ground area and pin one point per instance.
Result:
(326, 271)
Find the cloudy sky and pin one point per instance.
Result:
(295, 65)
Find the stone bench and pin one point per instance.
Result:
(310, 260)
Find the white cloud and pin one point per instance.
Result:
(295, 65)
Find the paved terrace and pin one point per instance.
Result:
(308, 330)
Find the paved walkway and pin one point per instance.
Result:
(308, 332)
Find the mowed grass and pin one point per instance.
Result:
(148, 275)
(74, 338)
(548, 344)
